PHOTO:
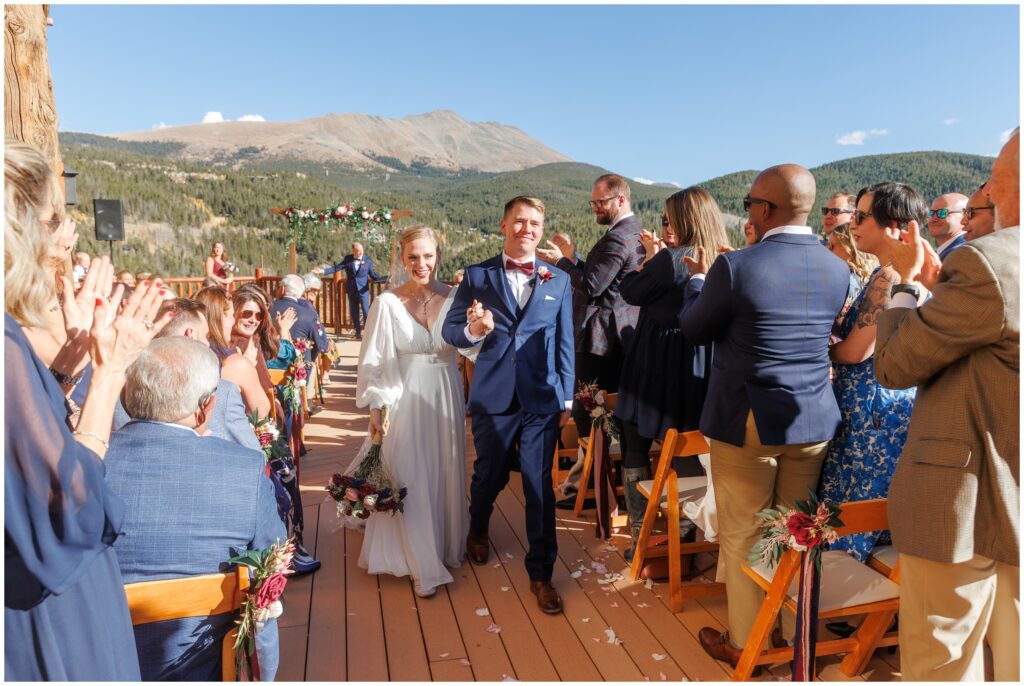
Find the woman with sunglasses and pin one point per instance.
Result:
(664, 377)
(266, 346)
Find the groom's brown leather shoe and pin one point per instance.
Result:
(478, 548)
(717, 645)
(547, 597)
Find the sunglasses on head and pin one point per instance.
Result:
(834, 211)
(969, 212)
(943, 213)
(250, 314)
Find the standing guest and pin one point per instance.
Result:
(305, 326)
(945, 222)
(359, 272)
(65, 613)
(603, 321)
(664, 377)
(860, 263)
(979, 215)
(770, 410)
(217, 266)
(749, 234)
(522, 386)
(954, 505)
(863, 453)
(142, 276)
(190, 500)
(220, 317)
(836, 212)
(81, 267)
(126, 278)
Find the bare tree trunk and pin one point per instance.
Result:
(30, 113)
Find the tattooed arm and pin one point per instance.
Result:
(860, 344)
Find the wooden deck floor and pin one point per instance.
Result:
(342, 624)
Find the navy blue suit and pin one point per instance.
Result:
(769, 310)
(321, 335)
(307, 325)
(357, 286)
(957, 242)
(188, 501)
(524, 375)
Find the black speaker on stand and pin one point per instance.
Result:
(109, 218)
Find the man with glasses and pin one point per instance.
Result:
(770, 410)
(954, 501)
(836, 212)
(603, 321)
(944, 222)
(979, 215)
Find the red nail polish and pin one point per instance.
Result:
(171, 313)
(145, 283)
(99, 301)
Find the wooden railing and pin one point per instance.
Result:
(331, 304)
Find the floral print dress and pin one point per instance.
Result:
(862, 456)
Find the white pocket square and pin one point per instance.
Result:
(548, 297)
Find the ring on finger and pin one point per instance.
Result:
(148, 324)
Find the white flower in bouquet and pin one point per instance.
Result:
(796, 546)
(370, 501)
(597, 412)
(365, 215)
(273, 611)
(387, 215)
(599, 397)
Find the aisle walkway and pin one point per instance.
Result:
(341, 624)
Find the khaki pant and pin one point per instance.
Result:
(747, 480)
(947, 610)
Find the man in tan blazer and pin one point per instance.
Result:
(954, 502)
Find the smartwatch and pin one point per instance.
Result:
(908, 288)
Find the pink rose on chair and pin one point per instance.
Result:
(300, 373)
(803, 531)
(271, 589)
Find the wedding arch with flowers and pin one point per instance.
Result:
(371, 226)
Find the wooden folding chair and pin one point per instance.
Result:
(672, 493)
(848, 587)
(585, 491)
(193, 596)
(884, 559)
(571, 444)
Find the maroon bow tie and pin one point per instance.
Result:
(524, 267)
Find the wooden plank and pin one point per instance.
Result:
(451, 670)
(366, 648)
(611, 660)
(293, 646)
(487, 650)
(299, 592)
(407, 657)
(326, 656)
(440, 629)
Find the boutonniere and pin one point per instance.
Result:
(544, 274)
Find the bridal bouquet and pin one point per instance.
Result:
(269, 569)
(592, 400)
(370, 488)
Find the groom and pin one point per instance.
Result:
(521, 318)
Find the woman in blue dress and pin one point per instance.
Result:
(65, 613)
(862, 456)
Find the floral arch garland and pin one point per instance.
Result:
(372, 226)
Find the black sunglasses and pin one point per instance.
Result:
(834, 211)
(748, 201)
(859, 216)
(969, 212)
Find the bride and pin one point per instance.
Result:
(404, 365)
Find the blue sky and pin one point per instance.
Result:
(669, 93)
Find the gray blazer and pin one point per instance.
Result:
(956, 489)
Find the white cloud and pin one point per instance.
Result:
(642, 180)
(949, 121)
(1004, 137)
(251, 117)
(161, 125)
(213, 118)
(858, 137)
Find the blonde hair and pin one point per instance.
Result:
(29, 187)
(415, 233)
(694, 218)
(528, 200)
(859, 262)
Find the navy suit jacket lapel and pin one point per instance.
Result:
(496, 274)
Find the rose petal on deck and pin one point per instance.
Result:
(662, 675)
(585, 620)
(610, 633)
(658, 656)
(648, 584)
(482, 612)
(494, 628)
(576, 575)
(506, 588)
(506, 677)
(464, 662)
(445, 654)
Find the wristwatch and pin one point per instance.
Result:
(64, 379)
(908, 288)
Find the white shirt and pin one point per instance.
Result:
(947, 242)
(777, 231)
(172, 424)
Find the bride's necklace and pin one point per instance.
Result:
(425, 302)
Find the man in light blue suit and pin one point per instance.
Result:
(189, 500)
(520, 316)
(770, 410)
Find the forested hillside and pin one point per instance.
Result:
(175, 210)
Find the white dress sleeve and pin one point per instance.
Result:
(379, 379)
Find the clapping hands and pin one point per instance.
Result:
(559, 246)
(285, 320)
(652, 243)
(913, 258)
(699, 265)
(481, 321)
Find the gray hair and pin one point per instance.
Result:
(170, 378)
(293, 286)
(312, 282)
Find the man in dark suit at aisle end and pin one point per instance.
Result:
(358, 268)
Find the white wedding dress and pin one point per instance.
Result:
(413, 372)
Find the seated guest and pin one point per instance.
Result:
(265, 345)
(220, 317)
(313, 285)
(664, 377)
(306, 318)
(979, 215)
(945, 222)
(873, 429)
(189, 500)
(769, 411)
